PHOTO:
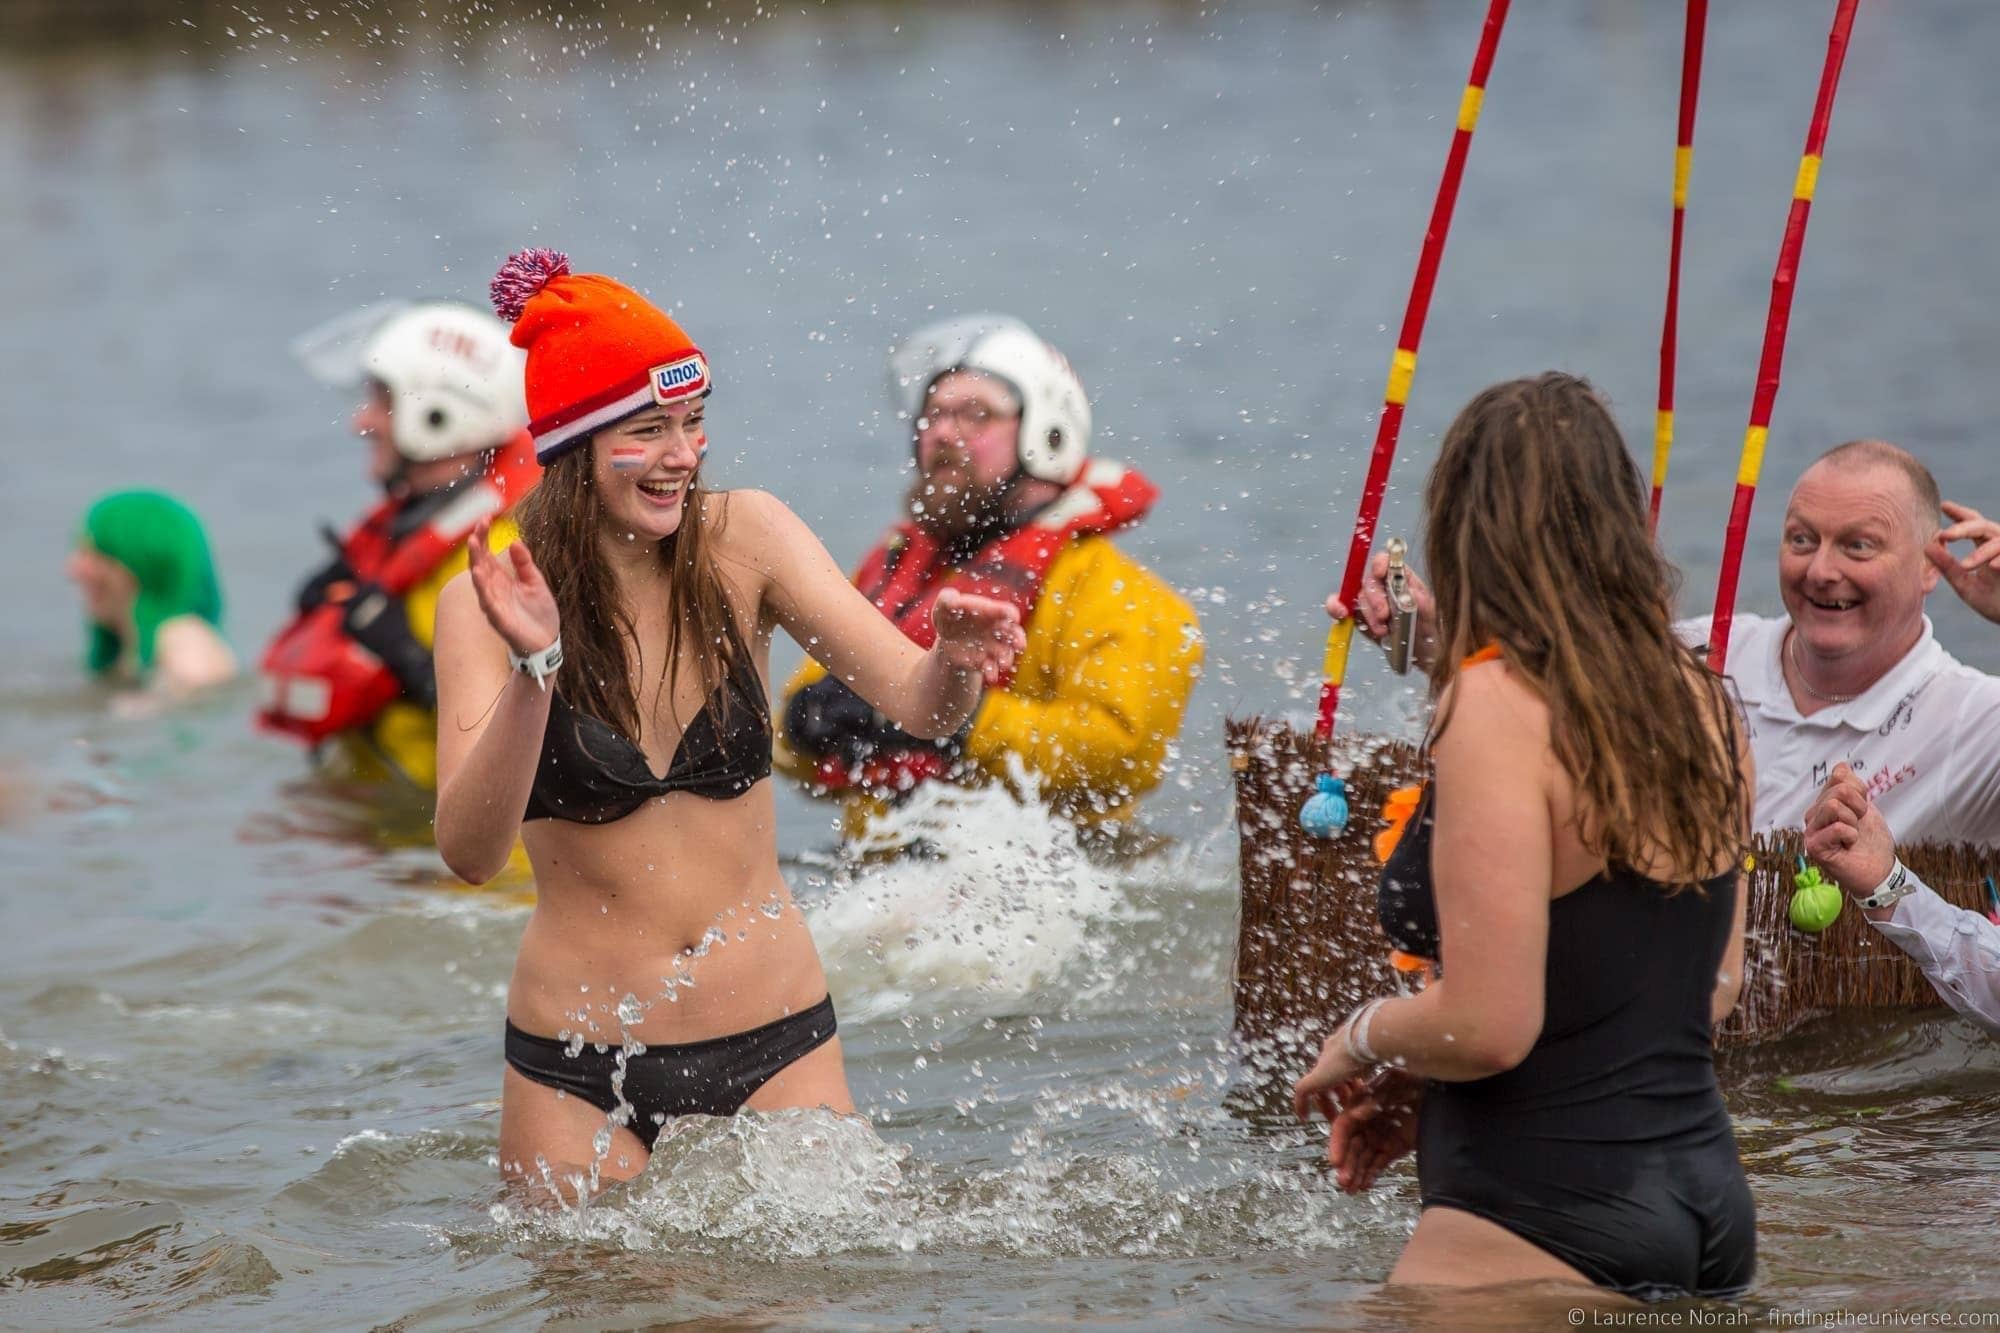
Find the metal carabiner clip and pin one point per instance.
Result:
(1402, 608)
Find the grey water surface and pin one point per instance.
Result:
(249, 1030)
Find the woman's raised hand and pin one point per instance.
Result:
(513, 594)
(978, 634)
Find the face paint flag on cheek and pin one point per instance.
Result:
(627, 458)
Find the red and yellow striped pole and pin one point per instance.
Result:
(1775, 325)
(1403, 366)
(1663, 419)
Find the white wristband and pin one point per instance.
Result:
(1356, 1035)
(1896, 886)
(540, 665)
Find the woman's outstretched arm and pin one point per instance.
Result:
(929, 694)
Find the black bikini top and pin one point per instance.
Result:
(589, 774)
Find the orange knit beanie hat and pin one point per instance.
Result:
(597, 350)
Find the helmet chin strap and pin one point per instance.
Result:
(1028, 514)
(396, 484)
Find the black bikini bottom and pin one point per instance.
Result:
(712, 1077)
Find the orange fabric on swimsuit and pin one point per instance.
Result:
(1403, 801)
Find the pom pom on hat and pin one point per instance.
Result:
(524, 274)
(597, 350)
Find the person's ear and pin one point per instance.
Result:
(1931, 573)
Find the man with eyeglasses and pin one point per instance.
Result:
(1007, 503)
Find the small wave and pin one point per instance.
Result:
(374, 1173)
(253, 1018)
(469, 907)
(87, 1265)
(48, 1061)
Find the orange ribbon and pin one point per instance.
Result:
(1403, 801)
(1396, 812)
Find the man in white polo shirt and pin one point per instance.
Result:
(1853, 836)
(1851, 674)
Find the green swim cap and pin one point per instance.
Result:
(161, 541)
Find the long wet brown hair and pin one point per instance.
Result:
(560, 521)
(1536, 539)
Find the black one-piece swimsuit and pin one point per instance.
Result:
(1609, 1146)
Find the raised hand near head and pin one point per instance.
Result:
(513, 594)
(1975, 577)
(978, 634)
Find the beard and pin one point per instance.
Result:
(958, 512)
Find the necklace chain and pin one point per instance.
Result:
(1799, 670)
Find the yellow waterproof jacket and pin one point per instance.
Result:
(1097, 696)
(401, 744)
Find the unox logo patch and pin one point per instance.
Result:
(680, 380)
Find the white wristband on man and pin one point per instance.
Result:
(1897, 885)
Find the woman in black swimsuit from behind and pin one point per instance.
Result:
(605, 698)
(1573, 871)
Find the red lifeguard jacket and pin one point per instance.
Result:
(904, 574)
(318, 681)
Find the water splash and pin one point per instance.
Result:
(797, 1184)
(1000, 904)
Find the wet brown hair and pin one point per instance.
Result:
(1536, 539)
(560, 521)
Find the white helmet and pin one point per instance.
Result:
(1055, 413)
(455, 381)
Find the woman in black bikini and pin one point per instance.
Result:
(1573, 870)
(605, 697)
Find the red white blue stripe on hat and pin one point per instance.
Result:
(684, 380)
